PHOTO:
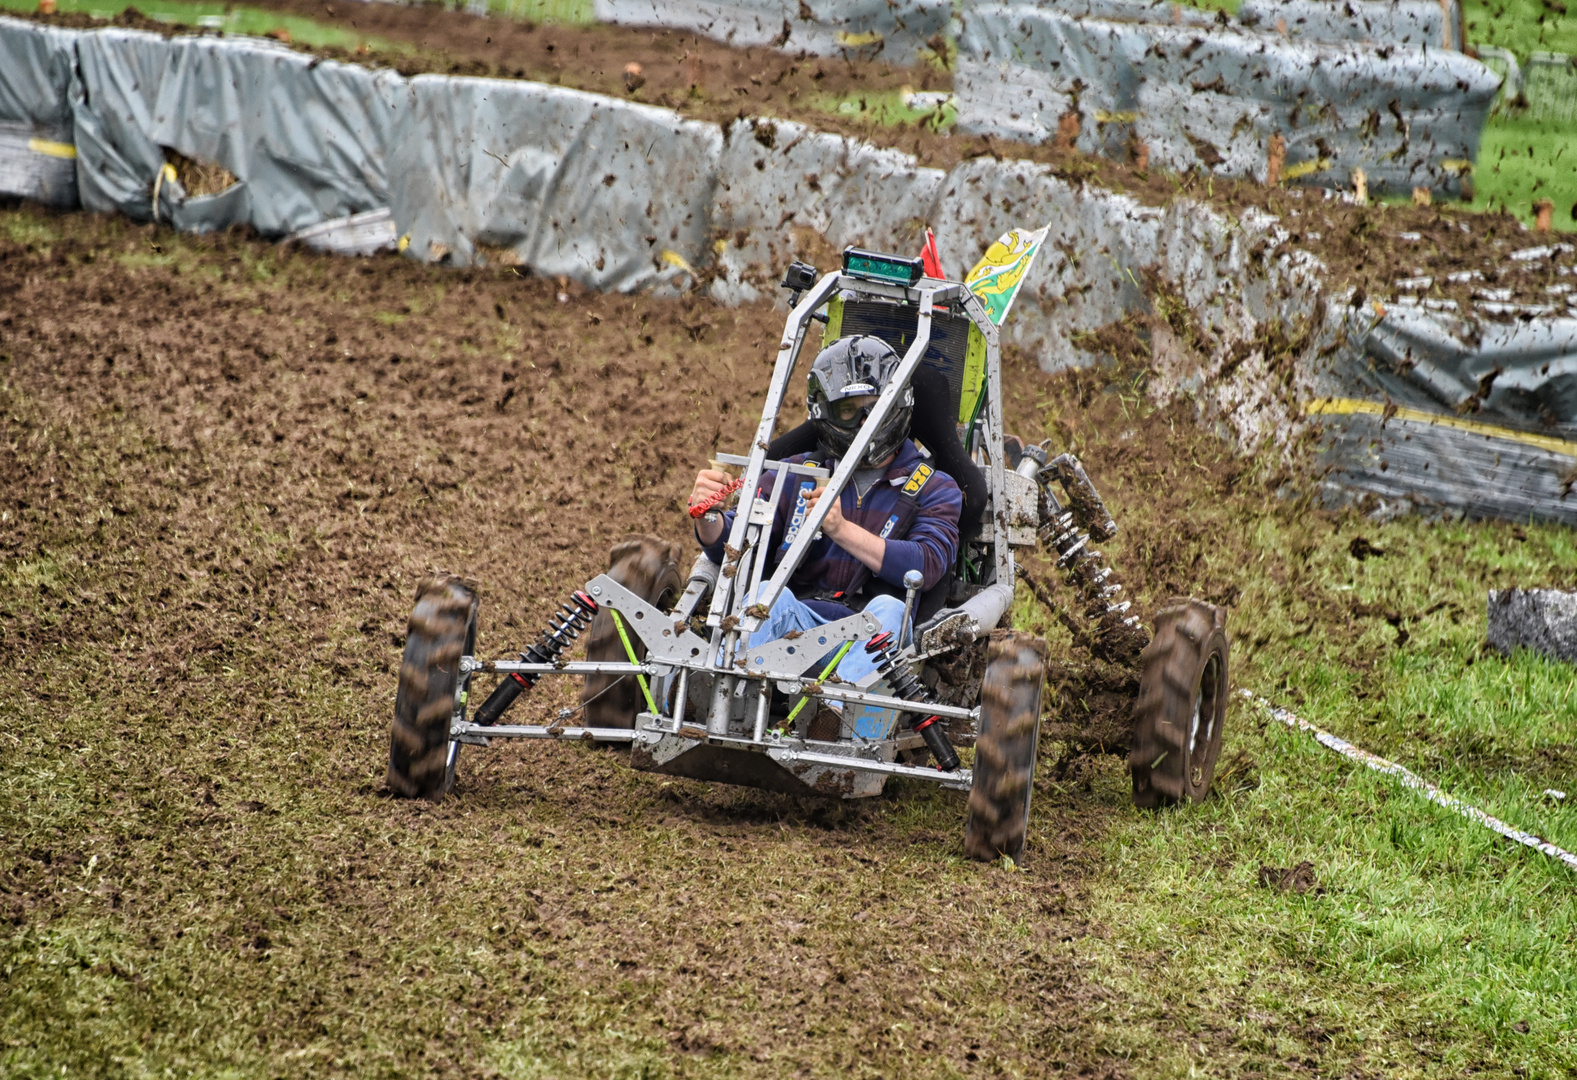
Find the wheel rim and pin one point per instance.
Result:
(1201, 729)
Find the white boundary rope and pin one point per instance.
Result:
(1412, 780)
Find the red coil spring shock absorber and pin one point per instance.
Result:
(884, 649)
(564, 626)
(711, 501)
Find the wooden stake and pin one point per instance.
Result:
(1544, 215)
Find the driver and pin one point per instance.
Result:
(897, 513)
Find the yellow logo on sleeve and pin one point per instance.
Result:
(917, 479)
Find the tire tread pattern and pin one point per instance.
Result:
(439, 630)
(1010, 699)
(1187, 633)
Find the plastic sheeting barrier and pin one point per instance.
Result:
(37, 151)
(1217, 100)
(776, 177)
(1425, 410)
(1380, 22)
(612, 194)
(896, 30)
(1550, 85)
(304, 138)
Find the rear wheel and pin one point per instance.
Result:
(441, 630)
(1182, 705)
(649, 568)
(1004, 772)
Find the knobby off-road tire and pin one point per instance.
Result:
(1010, 694)
(649, 568)
(441, 630)
(1182, 705)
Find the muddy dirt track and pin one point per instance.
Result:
(224, 466)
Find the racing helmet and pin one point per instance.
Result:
(855, 367)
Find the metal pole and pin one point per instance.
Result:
(768, 594)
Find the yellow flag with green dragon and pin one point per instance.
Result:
(997, 276)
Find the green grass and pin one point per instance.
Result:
(1430, 940)
(885, 108)
(1523, 26)
(570, 12)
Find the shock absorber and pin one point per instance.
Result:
(1069, 532)
(884, 650)
(564, 626)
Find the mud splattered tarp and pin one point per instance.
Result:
(1521, 373)
(1217, 99)
(37, 153)
(777, 179)
(1379, 22)
(305, 139)
(900, 31)
(1151, 11)
(613, 194)
(1427, 411)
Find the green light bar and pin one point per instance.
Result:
(893, 269)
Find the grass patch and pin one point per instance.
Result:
(1523, 26)
(1521, 161)
(567, 12)
(890, 107)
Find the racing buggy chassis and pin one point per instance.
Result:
(776, 715)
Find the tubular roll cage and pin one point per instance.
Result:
(742, 596)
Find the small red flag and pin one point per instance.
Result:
(928, 256)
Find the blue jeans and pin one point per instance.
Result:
(789, 614)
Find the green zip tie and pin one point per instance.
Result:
(629, 650)
(836, 660)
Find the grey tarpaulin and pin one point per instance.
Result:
(777, 177)
(35, 113)
(1521, 373)
(1156, 11)
(1427, 410)
(1418, 461)
(1382, 22)
(1214, 99)
(612, 194)
(305, 138)
(897, 30)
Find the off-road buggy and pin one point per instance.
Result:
(669, 670)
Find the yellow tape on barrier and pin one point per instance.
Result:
(51, 148)
(1356, 406)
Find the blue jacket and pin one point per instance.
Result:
(921, 530)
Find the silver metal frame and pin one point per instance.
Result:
(675, 654)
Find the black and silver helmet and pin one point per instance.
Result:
(855, 367)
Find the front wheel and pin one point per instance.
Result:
(649, 568)
(441, 630)
(1182, 705)
(1010, 694)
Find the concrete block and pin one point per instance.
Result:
(1544, 620)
